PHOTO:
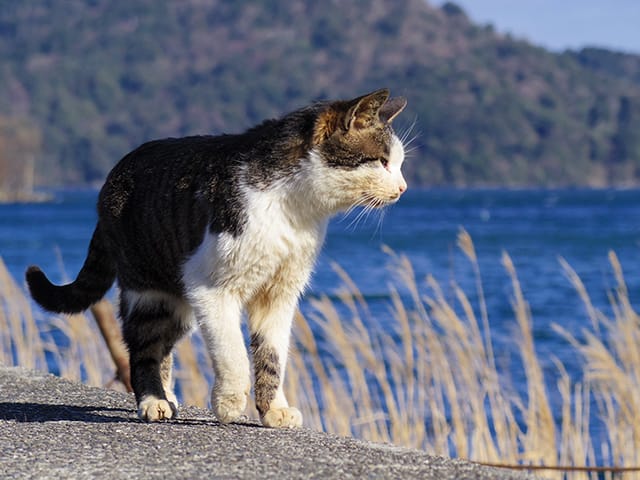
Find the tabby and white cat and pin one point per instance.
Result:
(202, 228)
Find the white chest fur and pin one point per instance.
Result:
(276, 249)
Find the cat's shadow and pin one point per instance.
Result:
(45, 412)
(29, 412)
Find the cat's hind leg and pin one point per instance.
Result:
(270, 318)
(152, 323)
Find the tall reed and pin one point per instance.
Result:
(425, 377)
(69, 347)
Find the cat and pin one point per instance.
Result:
(202, 228)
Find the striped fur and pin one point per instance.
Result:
(266, 365)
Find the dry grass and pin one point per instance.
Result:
(430, 381)
(69, 347)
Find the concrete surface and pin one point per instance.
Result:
(53, 428)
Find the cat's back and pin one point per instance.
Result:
(166, 159)
(164, 174)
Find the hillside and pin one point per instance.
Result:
(83, 82)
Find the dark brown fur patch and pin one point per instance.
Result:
(328, 122)
(267, 372)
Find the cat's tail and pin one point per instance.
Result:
(96, 277)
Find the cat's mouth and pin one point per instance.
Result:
(393, 200)
(385, 201)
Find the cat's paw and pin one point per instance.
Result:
(172, 399)
(289, 417)
(153, 409)
(228, 406)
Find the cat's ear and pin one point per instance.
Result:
(392, 108)
(363, 111)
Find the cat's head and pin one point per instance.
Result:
(356, 152)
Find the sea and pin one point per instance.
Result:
(538, 229)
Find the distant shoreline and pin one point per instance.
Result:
(25, 197)
(49, 194)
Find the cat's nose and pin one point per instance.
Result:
(402, 187)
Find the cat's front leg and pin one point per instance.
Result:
(219, 316)
(270, 325)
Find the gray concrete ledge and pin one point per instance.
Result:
(53, 428)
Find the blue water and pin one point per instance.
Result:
(535, 227)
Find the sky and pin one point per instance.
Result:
(561, 24)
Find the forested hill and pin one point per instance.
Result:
(84, 81)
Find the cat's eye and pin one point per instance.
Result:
(384, 162)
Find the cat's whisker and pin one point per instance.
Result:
(378, 229)
(373, 206)
(364, 214)
(408, 151)
(369, 211)
(379, 212)
(366, 201)
(411, 140)
(405, 135)
(358, 203)
(358, 218)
